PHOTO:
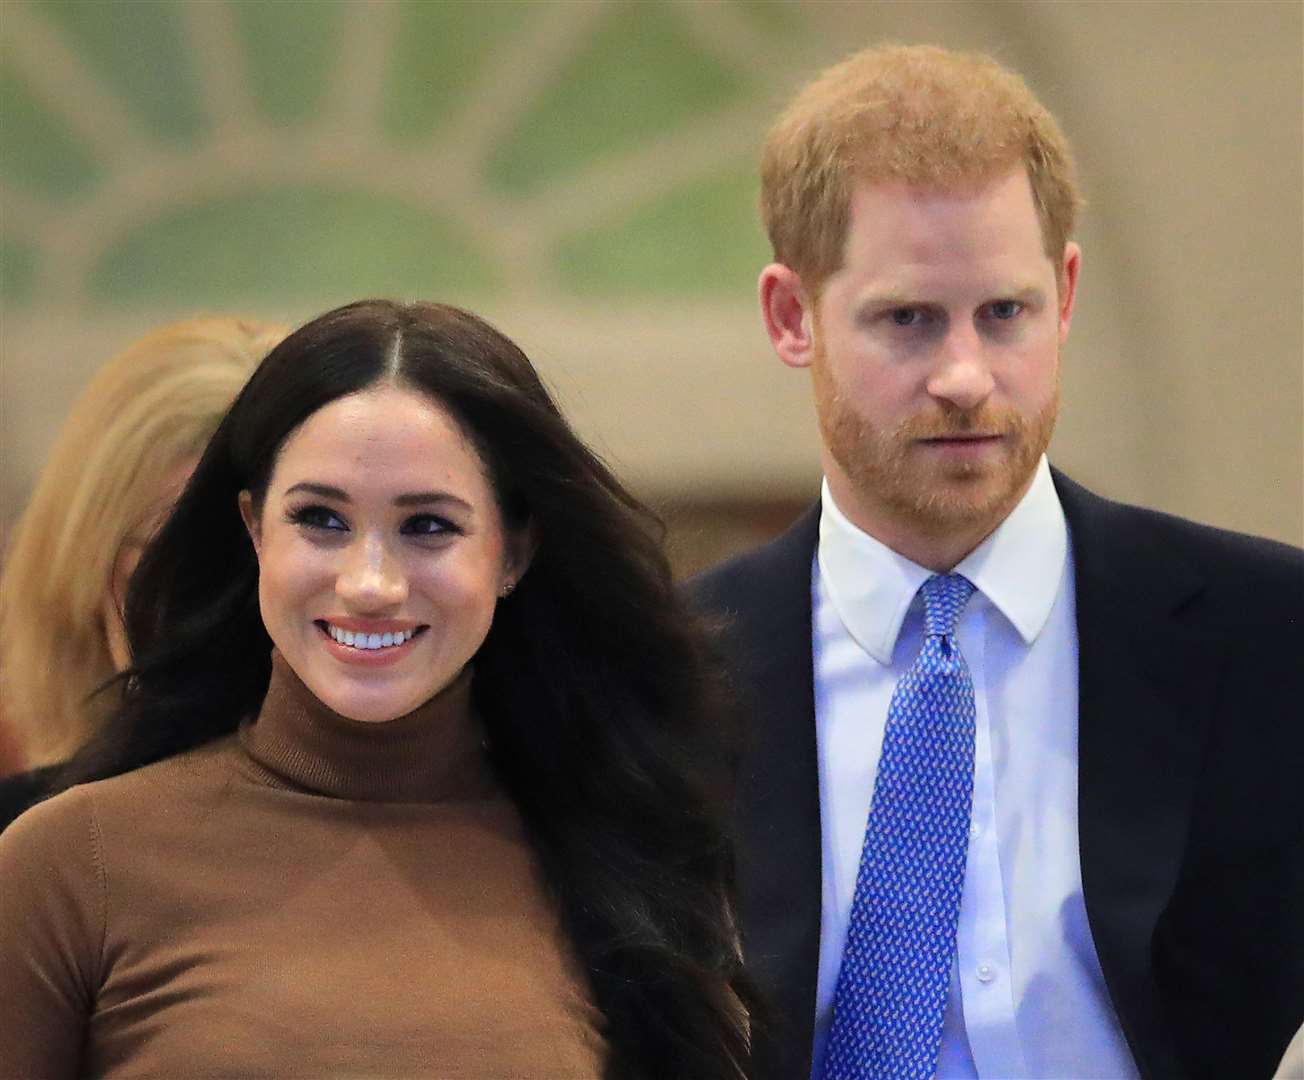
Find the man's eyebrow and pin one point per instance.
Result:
(1024, 293)
(888, 299)
(882, 300)
(904, 298)
(414, 498)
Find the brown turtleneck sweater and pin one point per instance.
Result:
(313, 897)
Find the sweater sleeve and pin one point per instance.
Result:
(52, 905)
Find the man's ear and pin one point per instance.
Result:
(250, 518)
(788, 311)
(1068, 287)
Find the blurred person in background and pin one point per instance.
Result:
(13, 760)
(419, 767)
(122, 457)
(1021, 796)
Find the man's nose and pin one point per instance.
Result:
(372, 578)
(962, 374)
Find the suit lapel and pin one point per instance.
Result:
(1146, 689)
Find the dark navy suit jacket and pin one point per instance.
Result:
(1191, 783)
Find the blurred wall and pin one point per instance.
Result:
(583, 174)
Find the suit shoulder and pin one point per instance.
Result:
(718, 588)
(1240, 580)
(1236, 558)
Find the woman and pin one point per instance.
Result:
(471, 830)
(119, 461)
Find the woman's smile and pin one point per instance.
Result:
(359, 641)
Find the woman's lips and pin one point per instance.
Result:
(363, 642)
(369, 626)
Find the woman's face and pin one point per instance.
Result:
(381, 552)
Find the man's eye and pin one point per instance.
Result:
(1005, 309)
(318, 517)
(906, 316)
(427, 525)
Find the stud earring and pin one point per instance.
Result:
(507, 588)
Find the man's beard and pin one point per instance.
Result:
(889, 470)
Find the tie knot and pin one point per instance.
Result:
(944, 598)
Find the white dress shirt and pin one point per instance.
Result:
(1027, 995)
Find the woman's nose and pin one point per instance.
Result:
(372, 578)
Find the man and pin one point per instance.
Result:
(1022, 793)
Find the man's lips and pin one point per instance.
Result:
(959, 439)
(966, 447)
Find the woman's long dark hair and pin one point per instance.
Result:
(604, 716)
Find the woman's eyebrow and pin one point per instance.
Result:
(423, 498)
(326, 491)
(415, 498)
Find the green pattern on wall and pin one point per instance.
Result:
(769, 15)
(290, 51)
(162, 155)
(297, 244)
(138, 49)
(692, 241)
(17, 270)
(639, 76)
(37, 154)
(439, 51)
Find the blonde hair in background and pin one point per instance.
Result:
(148, 411)
(915, 113)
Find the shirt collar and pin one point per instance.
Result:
(1018, 569)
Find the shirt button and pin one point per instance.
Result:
(986, 973)
(974, 830)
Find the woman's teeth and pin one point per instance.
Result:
(368, 641)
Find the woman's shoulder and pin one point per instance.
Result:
(175, 779)
(51, 841)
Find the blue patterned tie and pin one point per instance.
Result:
(896, 966)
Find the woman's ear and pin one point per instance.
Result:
(249, 515)
(518, 553)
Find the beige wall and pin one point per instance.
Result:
(1184, 385)
(1186, 376)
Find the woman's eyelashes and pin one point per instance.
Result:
(317, 517)
(421, 526)
(428, 525)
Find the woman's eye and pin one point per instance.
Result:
(427, 525)
(318, 517)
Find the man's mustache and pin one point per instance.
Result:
(961, 423)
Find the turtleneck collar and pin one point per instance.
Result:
(434, 753)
